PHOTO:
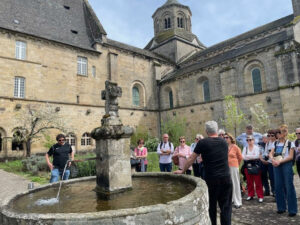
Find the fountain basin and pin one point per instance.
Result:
(189, 209)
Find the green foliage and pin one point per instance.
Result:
(260, 118)
(141, 132)
(292, 136)
(234, 116)
(175, 128)
(48, 141)
(151, 144)
(34, 165)
(85, 169)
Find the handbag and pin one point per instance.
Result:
(280, 157)
(134, 162)
(175, 160)
(253, 167)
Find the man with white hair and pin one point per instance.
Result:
(214, 152)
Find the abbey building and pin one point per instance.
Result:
(57, 53)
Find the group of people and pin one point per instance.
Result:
(268, 164)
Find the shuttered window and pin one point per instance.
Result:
(86, 139)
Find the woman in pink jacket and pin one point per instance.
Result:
(183, 152)
(141, 153)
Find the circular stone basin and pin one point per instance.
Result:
(156, 198)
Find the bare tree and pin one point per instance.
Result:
(234, 116)
(34, 120)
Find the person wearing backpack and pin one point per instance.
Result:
(165, 149)
(282, 155)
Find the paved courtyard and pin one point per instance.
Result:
(251, 213)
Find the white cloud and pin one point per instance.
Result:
(130, 21)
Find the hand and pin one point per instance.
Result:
(275, 163)
(178, 172)
(69, 164)
(50, 166)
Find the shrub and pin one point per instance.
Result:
(175, 128)
(84, 169)
(141, 132)
(151, 144)
(34, 164)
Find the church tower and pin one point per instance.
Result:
(173, 37)
(296, 7)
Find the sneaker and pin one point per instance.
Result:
(292, 214)
(260, 200)
(249, 198)
(237, 206)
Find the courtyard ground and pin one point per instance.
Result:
(251, 212)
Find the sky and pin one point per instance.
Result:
(213, 21)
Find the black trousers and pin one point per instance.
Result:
(220, 191)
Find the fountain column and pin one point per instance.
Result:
(112, 146)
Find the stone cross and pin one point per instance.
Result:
(110, 95)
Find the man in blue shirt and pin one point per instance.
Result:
(242, 139)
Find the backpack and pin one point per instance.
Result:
(289, 147)
(161, 143)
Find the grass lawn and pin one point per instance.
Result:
(43, 177)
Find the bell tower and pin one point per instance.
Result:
(296, 7)
(173, 37)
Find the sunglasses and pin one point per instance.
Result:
(226, 137)
(271, 135)
(249, 139)
(182, 141)
(297, 133)
(61, 140)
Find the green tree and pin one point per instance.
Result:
(175, 128)
(234, 116)
(141, 132)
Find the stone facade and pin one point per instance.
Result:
(174, 60)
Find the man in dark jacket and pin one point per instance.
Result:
(60, 152)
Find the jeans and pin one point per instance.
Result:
(165, 167)
(271, 177)
(284, 187)
(56, 174)
(196, 169)
(220, 191)
(298, 166)
(138, 168)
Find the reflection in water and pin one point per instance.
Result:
(80, 197)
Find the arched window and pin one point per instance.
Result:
(17, 141)
(206, 92)
(256, 79)
(135, 96)
(180, 22)
(86, 139)
(171, 99)
(70, 139)
(167, 23)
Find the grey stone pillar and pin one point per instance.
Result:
(112, 147)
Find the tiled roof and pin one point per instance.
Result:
(70, 22)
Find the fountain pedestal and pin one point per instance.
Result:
(112, 146)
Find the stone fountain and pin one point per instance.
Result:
(112, 146)
(119, 197)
